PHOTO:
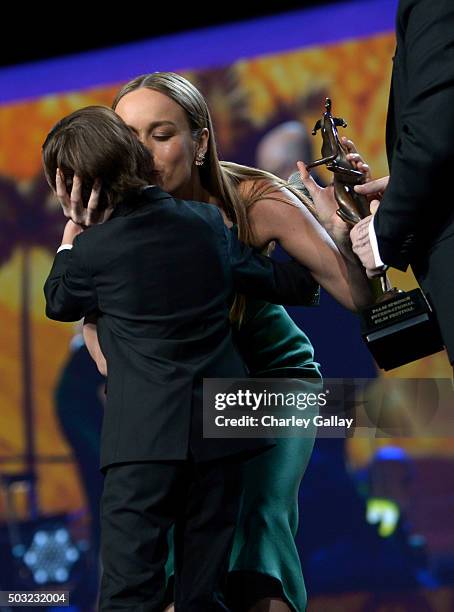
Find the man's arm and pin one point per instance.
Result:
(69, 290)
(261, 277)
(423, 156)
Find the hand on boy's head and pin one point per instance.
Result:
(73, 205)
(70, 232)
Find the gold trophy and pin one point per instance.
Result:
(400, 326)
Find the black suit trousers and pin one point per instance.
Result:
(140, 502)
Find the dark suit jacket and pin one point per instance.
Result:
(415, 220)
(162, 273)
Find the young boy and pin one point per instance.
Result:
(161, 273)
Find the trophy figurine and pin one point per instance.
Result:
(400, 326)
(352, 206)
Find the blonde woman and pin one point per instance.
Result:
(171, 118)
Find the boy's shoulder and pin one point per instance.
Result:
(93, 232)
(208, 213)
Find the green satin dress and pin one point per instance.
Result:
(272, 345)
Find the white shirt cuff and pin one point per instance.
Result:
(374, 244)
(63, 247)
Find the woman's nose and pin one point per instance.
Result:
(146, 143)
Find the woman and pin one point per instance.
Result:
(170, 116)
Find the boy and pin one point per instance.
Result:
(161, 273)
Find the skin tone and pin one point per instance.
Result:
(374, 190)
(84, 217)
(161, 124)
(359, 235)
(361, 244)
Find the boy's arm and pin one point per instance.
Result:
(69, 290)
(261, 277)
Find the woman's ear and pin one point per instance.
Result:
(202, 147)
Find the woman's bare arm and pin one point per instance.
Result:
(90, 333)
(303, 238)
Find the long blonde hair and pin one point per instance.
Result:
(220, 178)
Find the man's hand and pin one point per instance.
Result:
(356, 159)
(373, 189)
(361, 245)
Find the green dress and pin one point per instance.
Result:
(272, 345)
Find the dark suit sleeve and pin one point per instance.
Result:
(258, 276)
(422, 159)
(69, 289)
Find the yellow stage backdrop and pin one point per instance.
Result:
(244, 99)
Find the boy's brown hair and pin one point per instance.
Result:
(94, 142)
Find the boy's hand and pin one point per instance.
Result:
(72, 203)
(70, 232)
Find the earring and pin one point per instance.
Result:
(200, 159)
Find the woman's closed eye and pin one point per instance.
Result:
(162, 136)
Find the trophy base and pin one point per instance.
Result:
(400, 329)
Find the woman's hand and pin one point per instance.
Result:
(324, 199)
(73, 206)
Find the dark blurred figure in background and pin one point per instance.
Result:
(277, 152)
(363, 540)
(279, 149)
(79, 398)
